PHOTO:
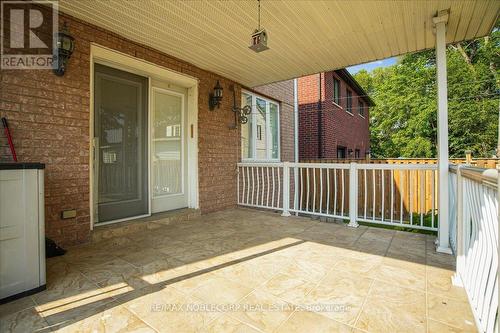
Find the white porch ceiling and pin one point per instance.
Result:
(305, 37)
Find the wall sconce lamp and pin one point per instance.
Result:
(350, 151)
(65, 47)
(216, 97)
(240, 114)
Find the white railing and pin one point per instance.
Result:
(260, 184)
(474, 234)
(392, 194)
(452, 225)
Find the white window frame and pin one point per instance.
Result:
(253, 121)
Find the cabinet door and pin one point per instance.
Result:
(19, 239)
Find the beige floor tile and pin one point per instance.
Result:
(228, 324)
(393, 309)
(27, 320)
(142, 257)
(190, 283)
(439, 282)
(440, 260)
(288, 287)
(263, 311)
(401, 273)
(117, 319)
(188, 253)
(417, 257)
(302, 321)
(220, 290)
(450, 311)
(312, 269)
(217, 262)
(71, 293)
(360, 266)
(249, 273)
(169, 310)
(16, 306)
(165, 270)
(116, 274)
(438, 327)
(340, 296)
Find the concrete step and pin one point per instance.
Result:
(154, 221)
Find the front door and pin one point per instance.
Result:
(168, 148)
(120, 144)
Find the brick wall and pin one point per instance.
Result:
(324, 125)
(283, 92)
(49, 118)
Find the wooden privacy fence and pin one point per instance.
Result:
(487, 163)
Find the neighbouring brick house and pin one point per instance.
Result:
(333, 116)
(333, 113)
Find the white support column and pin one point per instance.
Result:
(353, 195)
(442, 93)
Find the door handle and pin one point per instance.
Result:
(95, 145)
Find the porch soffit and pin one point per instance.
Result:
(305, 37)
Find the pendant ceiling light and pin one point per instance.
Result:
(259, 37)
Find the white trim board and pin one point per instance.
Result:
(105, 56)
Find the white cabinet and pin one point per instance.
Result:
(22, 235)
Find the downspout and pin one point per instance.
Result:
(320, 119)
(296, 119)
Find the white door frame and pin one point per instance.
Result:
(105, 56)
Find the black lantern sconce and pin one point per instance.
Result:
(65, 44)
(216, 97)
(240, 114)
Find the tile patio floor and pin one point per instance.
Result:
(243, 270)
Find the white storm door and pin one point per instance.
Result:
(168, 151)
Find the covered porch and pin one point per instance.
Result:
(248, 271)
(242, 269)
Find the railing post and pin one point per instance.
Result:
(468, 157)
(286, 189)
(353, 195)
(457, 280)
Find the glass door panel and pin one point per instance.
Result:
(120, 129)
(167, 144)
(168, 153)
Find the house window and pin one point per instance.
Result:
(361, 109)
(341, 152)
(260, 135)
(336, 91)
(349, 100)
(357, 153)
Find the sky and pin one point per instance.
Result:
(372, 65)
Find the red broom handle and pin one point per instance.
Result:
(9, 138)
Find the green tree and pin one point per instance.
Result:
(404, 120)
